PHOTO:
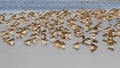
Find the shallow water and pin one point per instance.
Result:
(38, 56)
(54, 5)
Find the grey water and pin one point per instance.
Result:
(54, 5)
(39, 56)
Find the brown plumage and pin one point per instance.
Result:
(76, 45)
(93, 47)
(11, 42)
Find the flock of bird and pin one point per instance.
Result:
(59, 26)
